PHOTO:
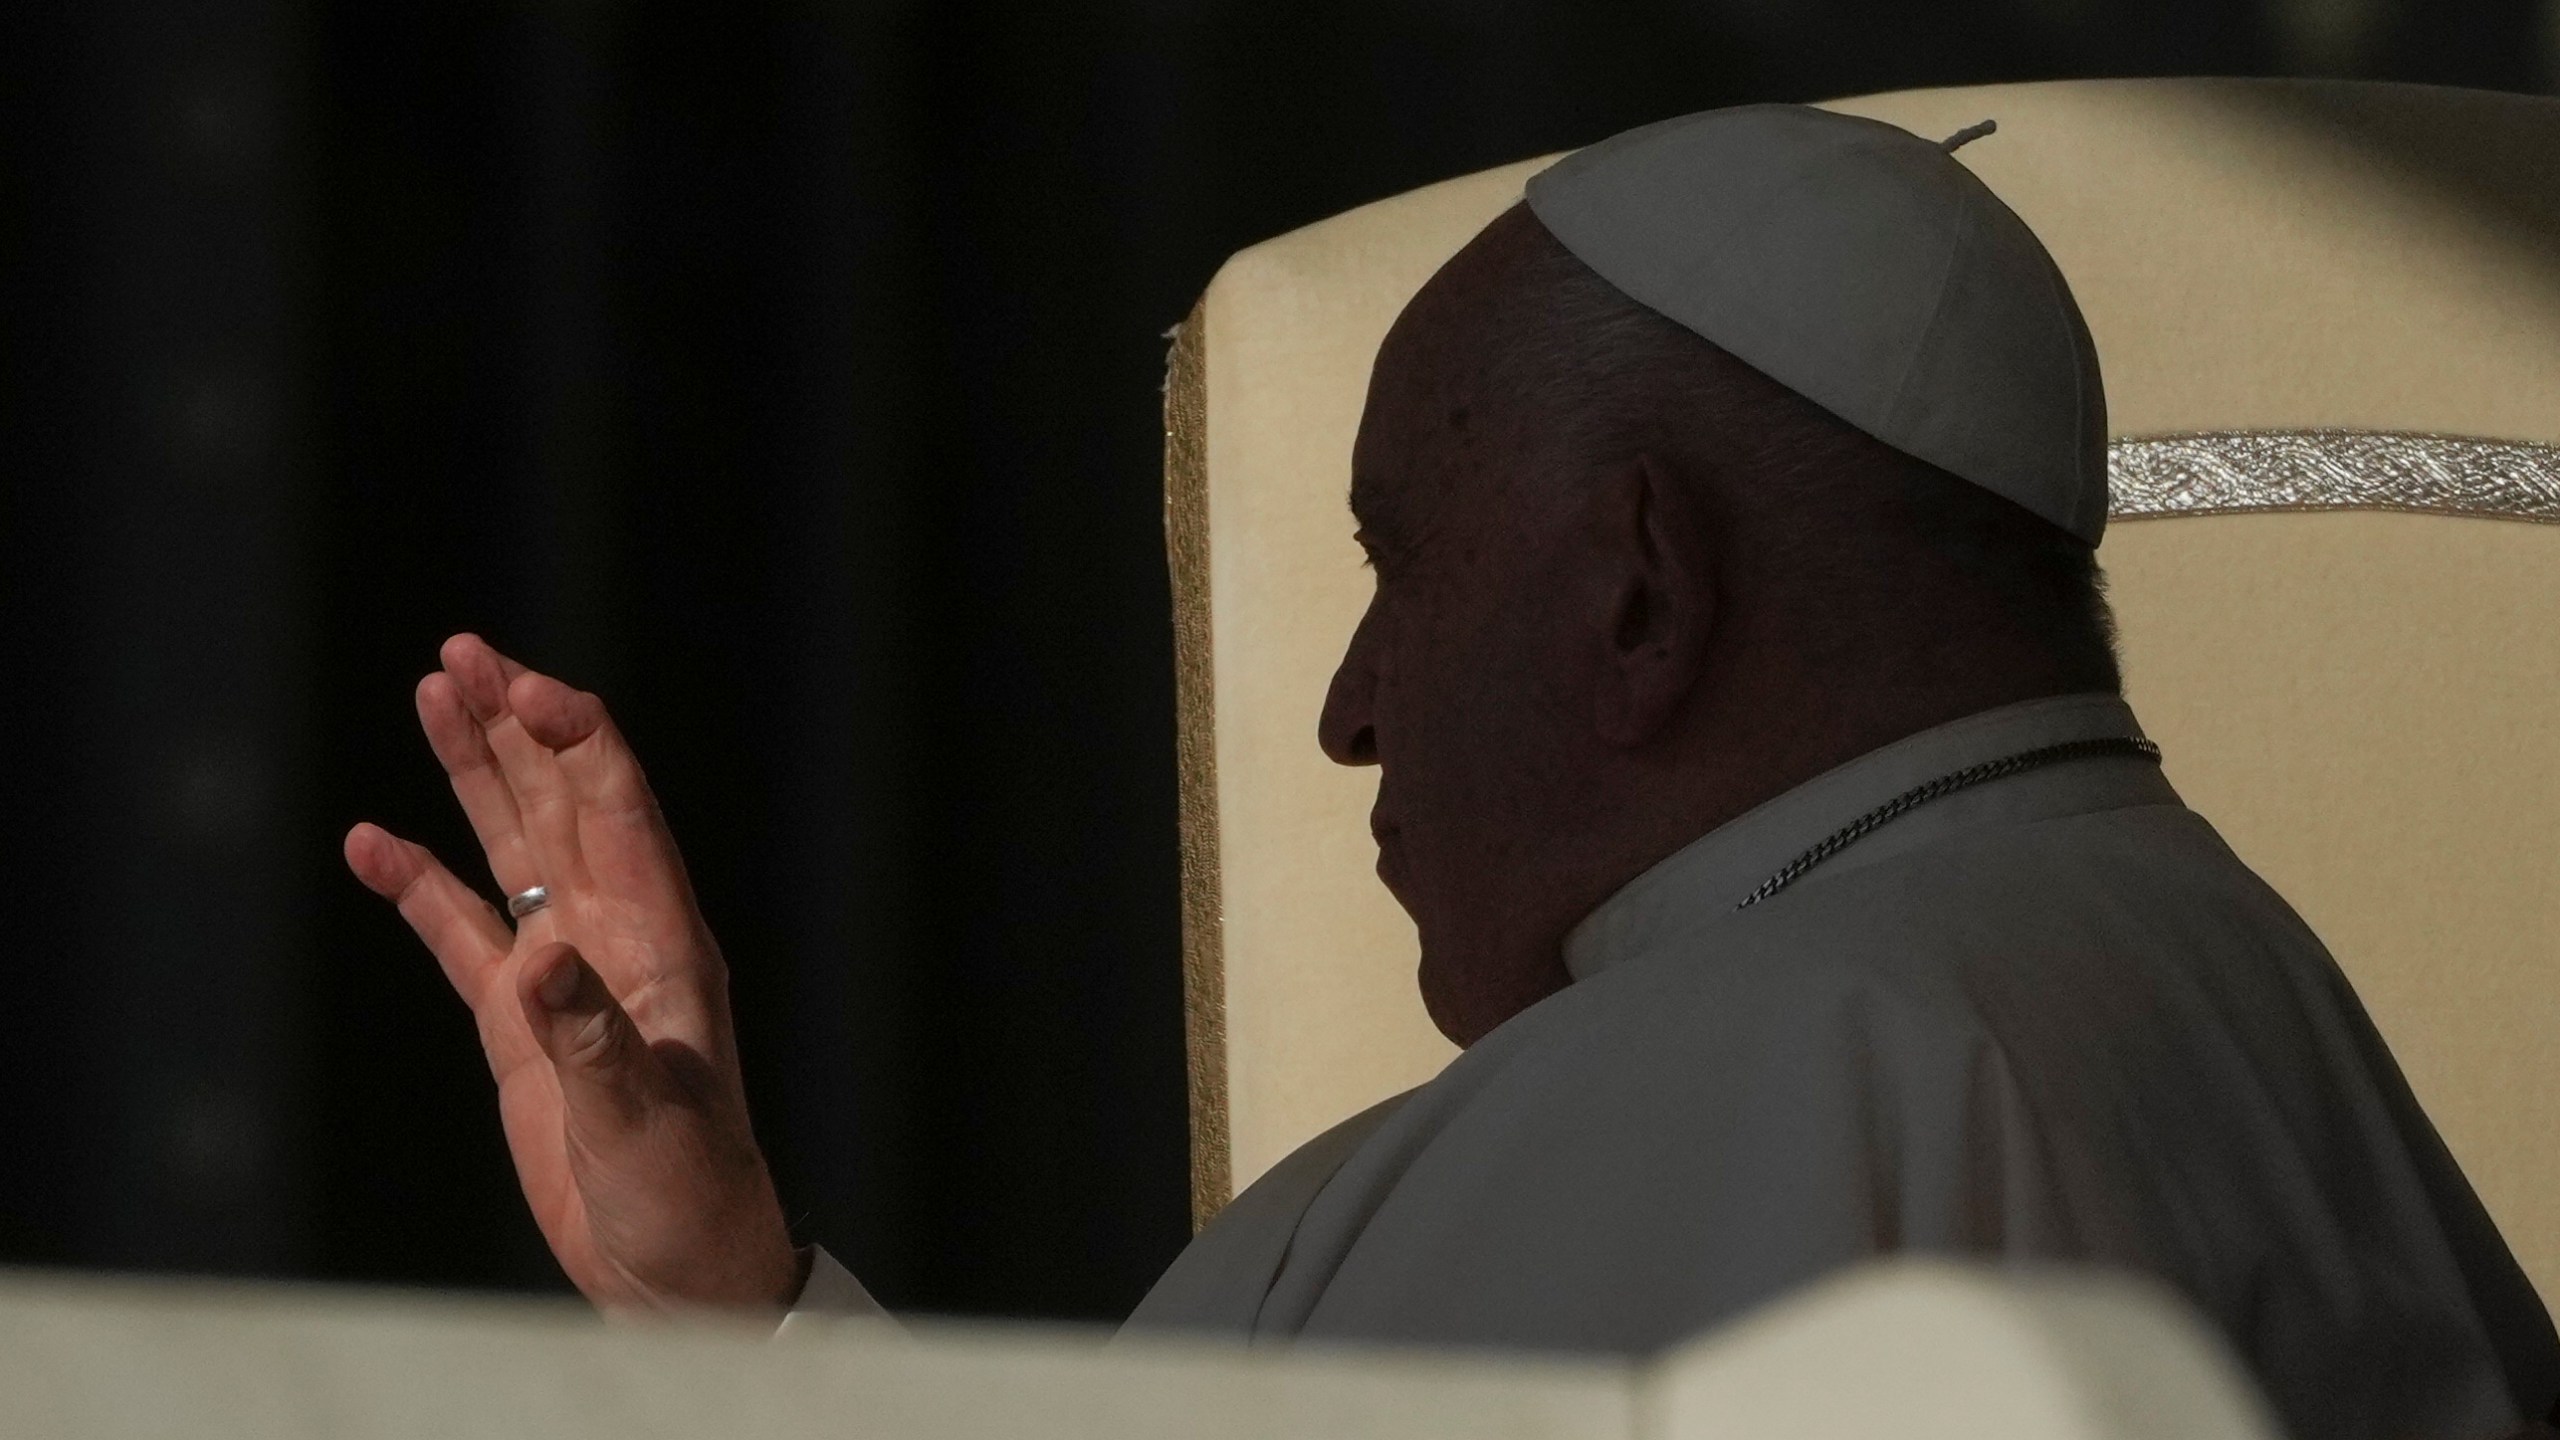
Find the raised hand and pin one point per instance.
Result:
(605, 1014)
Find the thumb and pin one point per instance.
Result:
(605, 1068)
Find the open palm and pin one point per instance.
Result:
(604, 1014)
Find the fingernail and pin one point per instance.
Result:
(560, 986)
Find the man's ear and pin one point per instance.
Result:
(1659, 601)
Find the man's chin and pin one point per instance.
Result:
(1467, 1006)
(1391, 875)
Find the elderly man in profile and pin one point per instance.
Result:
(1753, 764)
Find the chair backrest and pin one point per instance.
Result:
(2329, 318)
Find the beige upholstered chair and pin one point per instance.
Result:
(2329, 316)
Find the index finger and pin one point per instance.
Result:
(620, 830)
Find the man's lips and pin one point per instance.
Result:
(1383, 827)
(1389, 860)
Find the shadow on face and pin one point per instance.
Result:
(1467, 680)
(1628, 587)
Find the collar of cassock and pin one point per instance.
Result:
(1706, 879)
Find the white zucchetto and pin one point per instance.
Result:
(1864, 268)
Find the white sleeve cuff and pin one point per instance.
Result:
(830, 1293)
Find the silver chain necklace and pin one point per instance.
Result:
(1918, 795)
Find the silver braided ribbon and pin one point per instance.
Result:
(2235, 471)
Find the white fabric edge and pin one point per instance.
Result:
(830, 1293)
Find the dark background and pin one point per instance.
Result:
(787, 373)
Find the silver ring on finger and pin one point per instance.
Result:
(525, 902)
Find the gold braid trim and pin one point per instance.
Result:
(1204, 978)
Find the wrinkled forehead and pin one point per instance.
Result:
(1415, 444)
(1428, 433)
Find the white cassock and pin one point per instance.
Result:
(2049, 1017)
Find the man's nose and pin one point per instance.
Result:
(1345, 731)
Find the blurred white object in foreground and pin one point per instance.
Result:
(1912, 1350)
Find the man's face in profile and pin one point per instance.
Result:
(1461, 683)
